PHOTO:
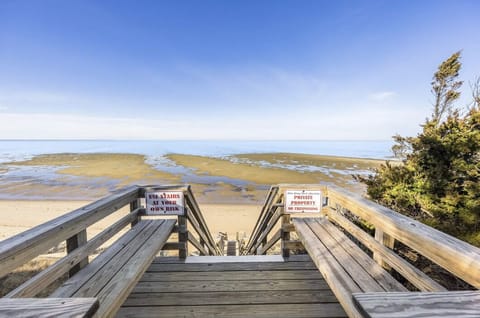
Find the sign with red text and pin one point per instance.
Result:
(165, 203)
(302, 201)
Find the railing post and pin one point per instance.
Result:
(133, 206)
(182, 236)
(285, 235)
(74, 242)
(386, 240)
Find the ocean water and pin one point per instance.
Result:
(14, 150)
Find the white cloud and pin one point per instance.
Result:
(362, 124)
(382, 96)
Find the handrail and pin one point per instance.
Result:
(262, 221)
(456, 256)
(195, 217)
(21, 248)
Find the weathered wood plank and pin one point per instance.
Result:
(331, 310)
(112, 266)
(337, 278)
(274, 239)
(268, 228)
(354, 271)
(231, 298)
(387, 241)
(337, 238)
(198, 229)
(459, 304)
(463, 259)
(43, 279)
(235, 259)
(271, 195)
(230, 275)
(257, 258)
(48, 307)
(411, 273)
(218, 267)
(73, 243)
(20, 248)
(213, 286)
(112, 296)
(76, 282)
(285, 235)
(195, 209)
(192, 239)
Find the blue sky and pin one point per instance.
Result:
(226, 69)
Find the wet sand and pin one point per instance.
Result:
(239, 179)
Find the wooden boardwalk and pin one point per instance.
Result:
(337, 278)
(243, 286)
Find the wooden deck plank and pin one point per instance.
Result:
(230, 275)
(48, 307)
(351, 267)
(98, 281)
(210, 286)
(231, 298)
(112, 296)
(253, 286)
(460, 304)
(74, 283)
(218, 267)
(330, 310)
(255, 258)
(338, 280)
(372, 269)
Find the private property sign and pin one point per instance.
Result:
(165, 203)
(300, 201)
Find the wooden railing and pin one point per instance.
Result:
(201, 237)
(72, 228)
(272, 212)
(454, 255)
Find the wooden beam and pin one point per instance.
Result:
(274, 239)
(43, 279)
(48, 307)
(273, 220)
(417, 304)
(407, 270)
(329, 267)
(23, 247)
(463, 259)
(197, 244)
(74, 242)
(182, 236)
(387, 241)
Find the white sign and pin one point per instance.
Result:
(165, 203)
(300, 201)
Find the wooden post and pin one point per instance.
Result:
(74, 242)
(202, 242)
(285, 235)
(133, 206)
(388, 241)
(182, 236)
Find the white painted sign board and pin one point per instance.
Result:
(303, 201)
(165, 203)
